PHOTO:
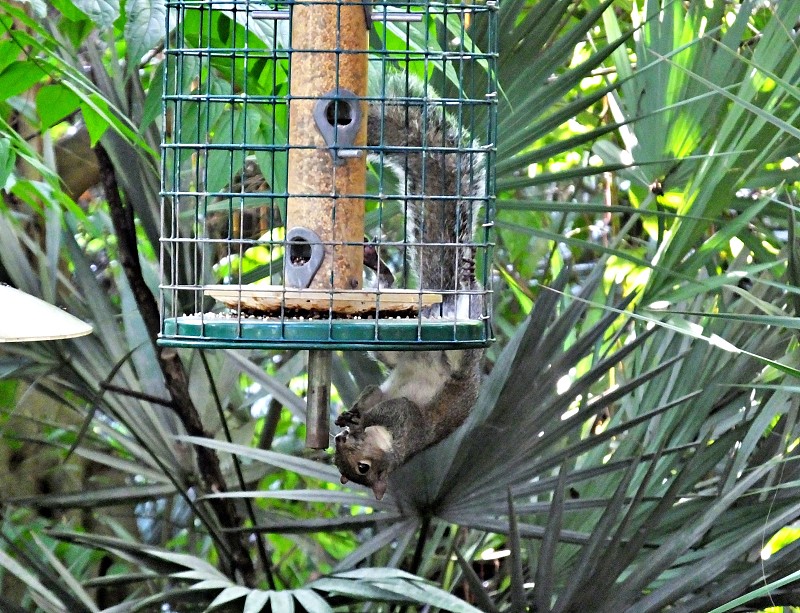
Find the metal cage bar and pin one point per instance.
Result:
(225, 151)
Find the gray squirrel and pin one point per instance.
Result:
(428, 394)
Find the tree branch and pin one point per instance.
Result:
(122, 217)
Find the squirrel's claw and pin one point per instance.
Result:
(348, 418)
(373, 261)
(468, 265)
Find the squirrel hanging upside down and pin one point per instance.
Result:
(428, 394)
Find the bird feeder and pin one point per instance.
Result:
(283, 226)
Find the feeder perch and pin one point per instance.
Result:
(271, 185)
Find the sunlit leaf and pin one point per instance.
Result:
(143, 28)
(102, 12)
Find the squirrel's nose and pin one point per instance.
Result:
(342, 436)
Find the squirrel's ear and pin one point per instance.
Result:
(379, 487)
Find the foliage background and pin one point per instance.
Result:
(634, 445)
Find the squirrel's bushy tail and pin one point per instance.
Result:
(441, 176)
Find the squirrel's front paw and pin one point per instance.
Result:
(349, 418)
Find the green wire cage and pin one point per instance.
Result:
(310, 149)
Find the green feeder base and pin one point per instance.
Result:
(215, 331)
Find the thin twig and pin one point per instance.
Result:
(138, 395)
(270, 426)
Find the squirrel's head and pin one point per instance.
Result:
(365, 457)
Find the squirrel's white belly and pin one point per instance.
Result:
(419, 376)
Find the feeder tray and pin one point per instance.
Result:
(271, 315)
(275, 299)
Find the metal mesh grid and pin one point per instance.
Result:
(225, 152)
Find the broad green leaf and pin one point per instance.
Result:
(68, 9)
(54, 103)
(19, 77)
(144, 28)
(96, 122)
(227, 159)
(103, 12)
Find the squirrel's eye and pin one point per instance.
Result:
(363, 468)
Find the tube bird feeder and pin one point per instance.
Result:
(327, 115)
(301, 141)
